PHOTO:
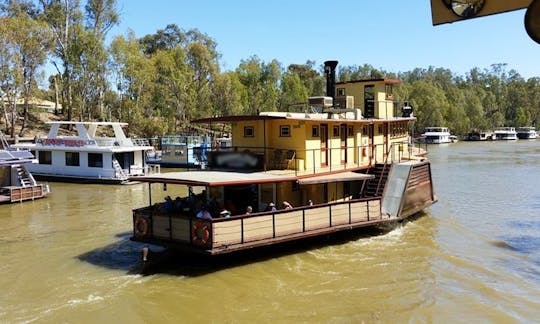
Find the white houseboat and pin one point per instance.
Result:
(526, 133)
(342, 168)
(16, 183)
(436, 135)
(505, 134)
(88, 154)
(182, 151)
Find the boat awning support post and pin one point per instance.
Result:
(150, 193)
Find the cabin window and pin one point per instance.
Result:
(72, 159)
(340, 91)
(45, 157)
(315, 131)
(285, 131)
(249, 131)
(380, 128)
(335, 131)
(365, 130)
(350, 131)
(95, 160)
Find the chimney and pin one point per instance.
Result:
(330, 71)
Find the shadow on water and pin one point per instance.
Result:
(127, 255)
(121, 255)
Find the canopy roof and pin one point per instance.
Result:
(206, 178)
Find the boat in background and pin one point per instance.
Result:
(483, 135)
(526, 133)
(505, 134)
(436, 135)
(16, 183)
(181, 151)
(84, 156)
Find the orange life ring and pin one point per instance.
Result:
(141, 226)
(200, 232)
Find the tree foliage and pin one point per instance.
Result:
(159, 82)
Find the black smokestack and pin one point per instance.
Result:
(330, 71)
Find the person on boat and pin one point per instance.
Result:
(287, 205)
(310, 202)
(169, 204)
(249, 210)
(271, 207)
(204, 213)
(225, 213)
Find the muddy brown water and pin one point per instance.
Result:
(475, 255)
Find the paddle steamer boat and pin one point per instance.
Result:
(346, 165)
(86, 157)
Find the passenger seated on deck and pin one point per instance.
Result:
(169, 205)
(249, 210)
(287, 205)
(271, 207)
(203, 213)
(225, 213)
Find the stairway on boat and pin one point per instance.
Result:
(24, 177)
(375, 187)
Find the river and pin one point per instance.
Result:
(473, 256)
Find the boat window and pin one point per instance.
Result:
(249, 131)
(285, 131)
(340, 91)
(315, 131)
(351, 131)
(335, 131)
(45, 157)
(72, 158)
(95, 160)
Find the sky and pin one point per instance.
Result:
(392, 35)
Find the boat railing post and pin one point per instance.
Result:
(330, 215)
(303, 220)
(242, 230)
(367, 209)
(273, 225)
(350, 212)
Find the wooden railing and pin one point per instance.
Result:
(219, 233)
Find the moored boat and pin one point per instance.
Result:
(85, 156)
(505, 134)
(526, 133)
(436, 135)
(16, 183)
(184, 151)
(327, 171)
(480, 136)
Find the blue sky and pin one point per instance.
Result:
(393, 35)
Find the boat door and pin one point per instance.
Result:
(385, 138)
(324, 145)
(369, 101)
(343, 138)
(371, 134)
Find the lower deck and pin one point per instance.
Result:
(225, 235)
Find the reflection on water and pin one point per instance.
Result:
(474, 255)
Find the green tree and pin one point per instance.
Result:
(294, 93)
